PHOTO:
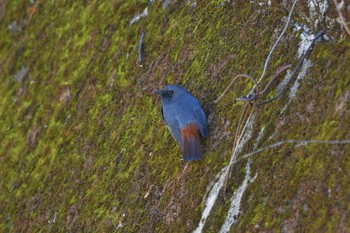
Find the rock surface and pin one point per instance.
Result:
(83, 146)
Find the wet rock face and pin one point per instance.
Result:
(83, 145)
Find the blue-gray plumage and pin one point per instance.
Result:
(185, 119)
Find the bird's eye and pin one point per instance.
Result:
(170, 93)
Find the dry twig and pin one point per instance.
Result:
(341, 17)
(290, 141)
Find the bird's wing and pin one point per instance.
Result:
(202, 122)
(175, 132)
(161, 110)
(174, 129)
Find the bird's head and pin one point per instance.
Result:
(171, 93)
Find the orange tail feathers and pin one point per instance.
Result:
(191, 146)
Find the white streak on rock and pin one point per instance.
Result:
(214, 192)
(317, 10)
(192, 3)
(211, 199)
(165, 4)
(232, 214)
(21, 74)
(137, 17)
(259, 137)
(306, 65)
(306, 40)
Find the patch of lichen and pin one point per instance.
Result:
(83, 145)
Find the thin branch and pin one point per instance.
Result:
(237, 139)
(240, 123)
(318, 35)
(265, 66)
(342, 19)
(235, 149)
(277, 41)
(290, 141)
(140, 50)
(233, 80)
(279, 71)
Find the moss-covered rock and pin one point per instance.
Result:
(83, 147)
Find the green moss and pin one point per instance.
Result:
(82, 141)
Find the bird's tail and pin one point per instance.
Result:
(192, 149)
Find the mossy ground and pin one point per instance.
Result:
(83, 147)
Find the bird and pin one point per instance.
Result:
(185, 119)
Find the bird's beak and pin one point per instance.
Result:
(159, 92)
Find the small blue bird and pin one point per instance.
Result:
(185, 119)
